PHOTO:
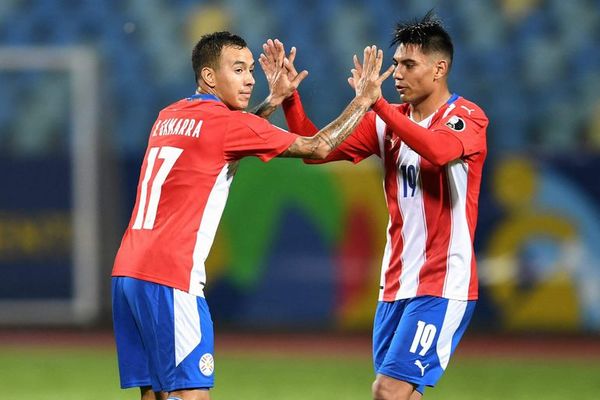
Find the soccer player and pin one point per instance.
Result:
(163, 329)
(432, 148)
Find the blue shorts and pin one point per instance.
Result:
(164, 336)
(413, 339)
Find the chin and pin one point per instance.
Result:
(236, 106)
(241, 105)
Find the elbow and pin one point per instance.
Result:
(444, 157)
(320, 153)
(438, 160)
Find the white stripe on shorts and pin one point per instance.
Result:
(454, 315)
(187, 324)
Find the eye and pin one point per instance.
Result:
(238, 70)
(252, 71)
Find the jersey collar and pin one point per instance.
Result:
(441, 112)
(452, 98)
(204, 97)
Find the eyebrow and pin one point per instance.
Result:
(243, 63)
(404, 60)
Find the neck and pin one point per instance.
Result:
(206, 90)
(429, 105)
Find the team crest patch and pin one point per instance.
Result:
(456, 123)
(207, 364)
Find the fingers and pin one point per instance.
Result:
(290, 67)
(378, 61)
(355, 78)
(369, 63)
(386, 74)
(373, 60)
(267, 66)
(366, 61)
(274, 51)
(292, 55)
(267, 49)
(299, 78)
(289, 62)
(357, 65)
(279, 51)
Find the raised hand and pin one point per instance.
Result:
(365, 79)
(282, 77)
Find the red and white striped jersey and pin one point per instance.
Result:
(432, 209)
(192, 154)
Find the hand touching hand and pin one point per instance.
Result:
(282, 77)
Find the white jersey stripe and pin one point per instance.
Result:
(458, 274)
(454, 315)
(414, 230)
(385, 262)
(414, 227)
(380, 127)
(187, 324)
(207, 230)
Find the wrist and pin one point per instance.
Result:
(364, 101)
(291, 99)
(379, 104)
(274, 100)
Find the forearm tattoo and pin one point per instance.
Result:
(330, 137)
(338, 130)
(264, 109)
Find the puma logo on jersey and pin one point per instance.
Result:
(468, 109)
(421, 367)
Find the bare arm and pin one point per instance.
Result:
(327, 139)
(264, 109)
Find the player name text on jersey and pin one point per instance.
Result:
(177, 126)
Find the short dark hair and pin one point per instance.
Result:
(208, 50)
(428, 33)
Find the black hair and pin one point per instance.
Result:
(428, 33)
(207, 51)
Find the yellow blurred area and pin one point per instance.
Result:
(593, 128)
(551, 300)
(206, 19)
(517, 9)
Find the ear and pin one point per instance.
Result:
(441, 69)
(207, 75)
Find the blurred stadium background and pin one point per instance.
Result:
(299, 247)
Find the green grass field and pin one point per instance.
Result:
(37, 373)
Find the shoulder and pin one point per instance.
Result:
(463, 114)
(242, 120)
(248, 120)
(468, 109)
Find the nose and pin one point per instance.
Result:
(397, 72)
(250, 80)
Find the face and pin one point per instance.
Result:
(234, 78)
(415, 74)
